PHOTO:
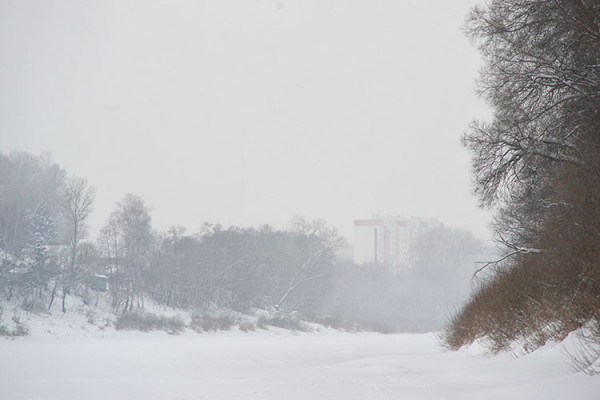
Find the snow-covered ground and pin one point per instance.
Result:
(277, 365)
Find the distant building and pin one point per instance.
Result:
(390, 240)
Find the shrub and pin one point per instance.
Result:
(531, 301)
(207, 322)
(282, 320)
(18, 329)
(247, 326)
(145, 322)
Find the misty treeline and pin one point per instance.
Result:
(420, 299)
(536, 164)
(48, 258)
(40, 208)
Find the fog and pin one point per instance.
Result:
(224, 150)
(248, 112)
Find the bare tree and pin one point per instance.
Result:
(318, 242)
(76, 204)
(110, 245)
(129, 233)
(542, 78)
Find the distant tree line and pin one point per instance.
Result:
(231, 268)
(46, 257)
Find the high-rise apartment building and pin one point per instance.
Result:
(390, 240)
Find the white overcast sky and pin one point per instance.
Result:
(251, 111)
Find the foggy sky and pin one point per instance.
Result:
(251, 111)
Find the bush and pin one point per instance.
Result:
(586, 355)
(247, 326)
(282, 320)
(18, 329)
(207, 322)
(145, 322)
(530, 301)
(331, 321)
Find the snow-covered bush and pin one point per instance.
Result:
(289, 321)
(212, 321)
(145, 322)
(16, 328)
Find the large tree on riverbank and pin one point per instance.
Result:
(537, 163)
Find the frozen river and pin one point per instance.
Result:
(281, 366)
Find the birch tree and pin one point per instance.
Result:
(76, 204)
(130, 227)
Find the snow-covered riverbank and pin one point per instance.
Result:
(278, 365)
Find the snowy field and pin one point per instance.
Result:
(277, 365)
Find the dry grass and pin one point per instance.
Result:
(145, 322)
